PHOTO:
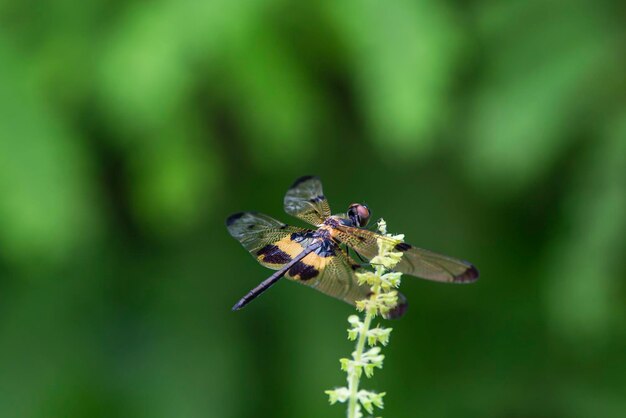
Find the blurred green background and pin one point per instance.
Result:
(490, 131)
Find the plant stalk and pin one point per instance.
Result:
(353, 382)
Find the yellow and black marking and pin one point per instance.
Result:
(272, 254)
(314, 263)
(310, 267)
(279, 253)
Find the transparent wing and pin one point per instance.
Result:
(415, 261)
(334, 275)
(268, 240)
(305, 200)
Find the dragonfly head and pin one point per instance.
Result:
(359, 214)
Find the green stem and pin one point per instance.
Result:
(353, 382)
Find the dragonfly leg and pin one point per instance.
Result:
(364, 262)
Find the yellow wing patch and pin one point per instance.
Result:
(310, 267)
(279, 253)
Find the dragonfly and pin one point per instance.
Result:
(319, 258)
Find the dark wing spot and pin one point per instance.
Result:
(273, 255)
(303, 271)
(360, 238)
(317, 199)
(402, 246)
(232, 218)
(400, 308)
(468, 276)
(302, 180)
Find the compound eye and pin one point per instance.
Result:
(360, 214)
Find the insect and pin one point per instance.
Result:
(316, 258)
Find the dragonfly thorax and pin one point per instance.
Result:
(337, 220)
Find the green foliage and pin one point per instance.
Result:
(492, 131)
